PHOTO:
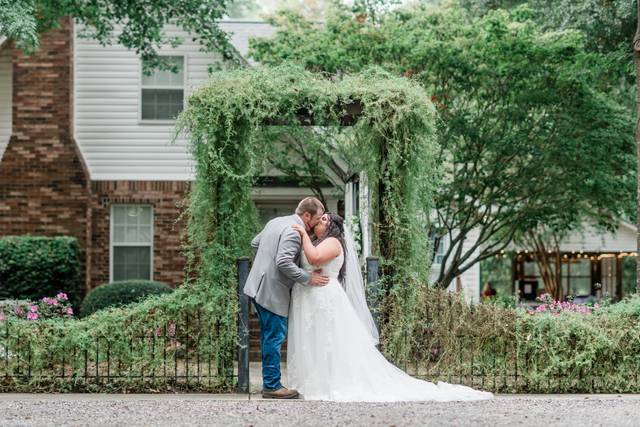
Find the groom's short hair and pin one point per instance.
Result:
(311, 205)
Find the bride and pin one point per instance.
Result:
(332, 339)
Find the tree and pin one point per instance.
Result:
(528, 136)
(636, 60)
(139, 24)
(607, 26)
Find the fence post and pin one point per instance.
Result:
(243, 327)
(373, 287)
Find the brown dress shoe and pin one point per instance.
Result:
(281, 393)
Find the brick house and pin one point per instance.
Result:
(85, 151)
(85, 146)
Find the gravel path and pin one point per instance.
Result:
(232, 410)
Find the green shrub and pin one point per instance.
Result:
(501, 300)
(35, 267)
(121, 293)
(526, 351)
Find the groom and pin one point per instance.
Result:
(276, 268)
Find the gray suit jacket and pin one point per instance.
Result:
(276, 267)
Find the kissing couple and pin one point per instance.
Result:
(313, 289)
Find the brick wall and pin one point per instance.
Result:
(166, 198)
(45, 188)
(44, 185)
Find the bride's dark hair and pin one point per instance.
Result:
(335, 228)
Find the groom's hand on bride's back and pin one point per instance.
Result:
(318, 279)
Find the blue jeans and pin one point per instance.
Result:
(273, 331)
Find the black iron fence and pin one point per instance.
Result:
(179, 356)
(495, 349)
(457, 343)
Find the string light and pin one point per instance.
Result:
(573, 255)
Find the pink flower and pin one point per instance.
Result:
(62, 296)
(32, 316)
(50, 301)
(158, 332)
(2, 316)
(18, 310)
(172, 329)
(69, 311)
(34, 308)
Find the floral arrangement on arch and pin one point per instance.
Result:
(46, 308)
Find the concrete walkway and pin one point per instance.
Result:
(243, 410)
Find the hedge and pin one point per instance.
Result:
(121, 293)
(523, 351)
(35, 267)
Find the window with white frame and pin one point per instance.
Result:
(440, 250)
(131, 242)
(162, 93)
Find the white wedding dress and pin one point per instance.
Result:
(332, 356)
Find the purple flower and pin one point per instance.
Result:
(62, 296)
(32, 316)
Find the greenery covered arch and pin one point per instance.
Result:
(379, 123)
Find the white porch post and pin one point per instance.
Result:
(348, 201)
(365, 226)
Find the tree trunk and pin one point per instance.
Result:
(636, 60)
(549, 268)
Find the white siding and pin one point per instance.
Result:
(242, 31)
(6, 85)
(470, 279)
(591, 240)
(115, 144)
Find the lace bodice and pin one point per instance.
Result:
(331, 269)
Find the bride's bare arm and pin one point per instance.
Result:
(321, 254)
